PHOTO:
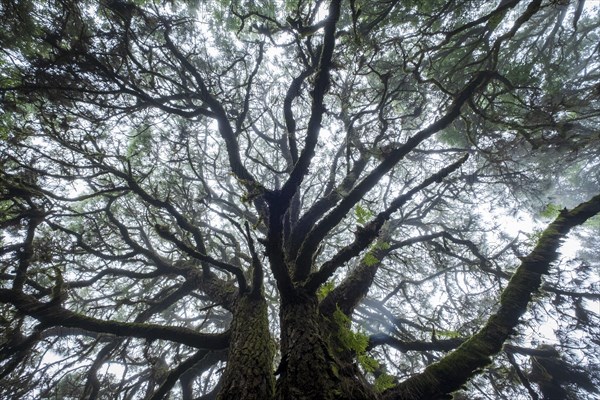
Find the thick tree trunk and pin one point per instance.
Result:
(308, 369)
(249, 371)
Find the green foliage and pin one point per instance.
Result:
(495, 20)
(358, 343)
(325, 289)
(426, 7)
(140, 142)
(453, 136)
(370, 260)
(384, 382)
(369, 364)
(349, 339)
(381, 245)
(521, 74)
(109, 111)
(70, 385)
(362, 214)
(551, 211)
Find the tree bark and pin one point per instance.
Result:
(249, 371)
(309, 370)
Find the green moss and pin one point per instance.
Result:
(384, 382)
(551, 211)
(370, 260)
(325, 289)
(363, 215)
(381, 245)
(347, 338)
(449, 334)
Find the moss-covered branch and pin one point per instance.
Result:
(414, 345)
(455, 369)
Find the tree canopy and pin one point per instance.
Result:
(302, 199)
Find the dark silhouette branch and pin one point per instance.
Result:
(176, 373)
(404, 346)
(318, 233)
(54, 315)
(320, 88)
(367, 234)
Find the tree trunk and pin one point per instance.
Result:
(308, 369)
(249, 371)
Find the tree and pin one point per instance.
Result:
(297, 199)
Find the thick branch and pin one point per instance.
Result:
(237, 271)
(435, 345)
(176, 373)
(454, 370)
(290, 122)
(54, 315)
(321, 86)
(324, 204)
(356, 284)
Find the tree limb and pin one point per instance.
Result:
(455, 369)
(54, 315)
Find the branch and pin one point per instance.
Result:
(257, 267)
(318, 233)
(455, 369)
(290, 123)
(176, 373)
(164, 233)
(25, 254)
(225, 129)
(181, 220)
(324, 204)
(320, 87)
(53, 315)
(435, 345)
(217, 289)
(367, 234)
(521, 375)
(356, 284)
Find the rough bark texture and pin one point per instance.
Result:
(249, 371)
(308, 367)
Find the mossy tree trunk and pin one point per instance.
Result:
(309, 368)
(249, 371)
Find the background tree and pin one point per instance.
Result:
(298, 199)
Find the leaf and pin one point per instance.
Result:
(363, 215)
(370, 260)
(384, 382)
